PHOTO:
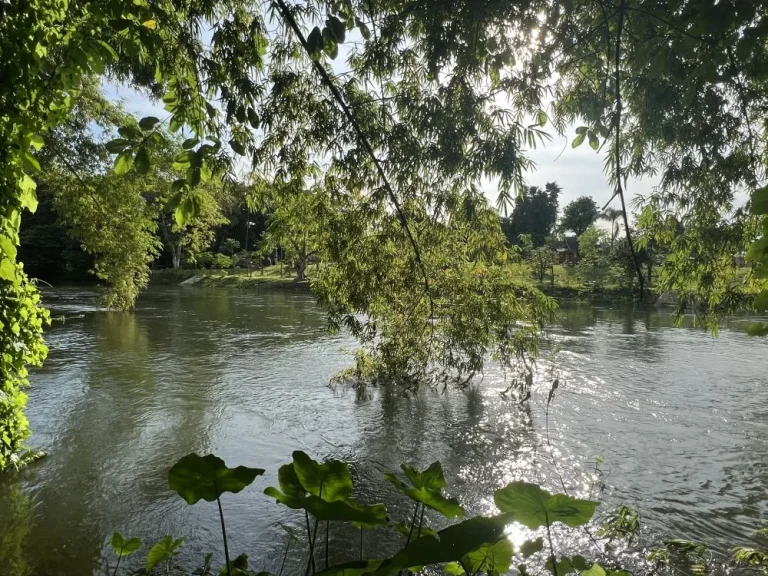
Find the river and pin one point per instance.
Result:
(679, 419)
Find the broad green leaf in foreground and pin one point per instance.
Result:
(426, 487)
(330, 480)
(123, 546)
(162, 551)
(534, 507)
(196, 477)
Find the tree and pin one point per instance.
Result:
(535, 214)
(612, 215)
(231, 245)
(296, 222)
(541, 260)
(591, 253)
(579, 215)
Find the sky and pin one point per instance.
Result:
(579, 171)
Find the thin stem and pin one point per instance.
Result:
(314, 539)
(413, 523)
(118, 563)
(421, 521)
(327, 531)
(285, 557)
(311, 560)
(224, 533)
(551, 546)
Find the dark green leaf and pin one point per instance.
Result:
(315, 41)
(530, 547)
(129, 132)
(364, 31)
(534, 507)
(29, 161)
(567, 565)
(578, 141)
(759, 203)
(337, 28)
(237, 147)
(196, 477)
(148, 122)
(122, 546)
(142, 161)
(190, 143)
(490, 558)
(253, 118)
(541, 117)
(594, 143)
(581, 130)
(183, 160)
(117, 145)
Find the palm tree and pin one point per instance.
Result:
(612, 215)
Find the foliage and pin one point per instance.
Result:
(534, 213)
(579, 215)
(541, 260)
(207, 477)
(625, 523)
(163, 551)
(534, 507)
(426, 488)
(591, 252)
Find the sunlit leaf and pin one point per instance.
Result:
(163, 551)
(534, 507)
(426, 487)
(123, 162)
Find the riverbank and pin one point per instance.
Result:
(268, 279)
(272, 279)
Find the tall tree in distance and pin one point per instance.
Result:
(579, 215)
(535, 214)
(612, 216)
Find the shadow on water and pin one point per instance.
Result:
(675, 413)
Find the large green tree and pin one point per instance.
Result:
(535, 214)
(579, 215)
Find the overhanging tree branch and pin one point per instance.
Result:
(288, 17)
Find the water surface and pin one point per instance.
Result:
(679, 419)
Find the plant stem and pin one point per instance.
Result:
(413, 523)
(311, 561)
(118, 563)
(421, 521)
(224, 533)
(327, 531)
(285, 557)
(551, 546)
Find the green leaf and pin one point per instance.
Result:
(454, 568)
(597, 570)
(581, 130)
(29, 161)
(117, 145)
(194, 175)
(28, 196)
(357, 568)
(594, 143)
(183, 160)
(330, 46)
(337, 28)
(8, 247)
(452, 544)
(142, 161)
(534, 507)
(162, 551)
(123, 547)
(427, 488)
(578, 141)
(196, 477)
(148, 123)
(237, 147)
(405, 529)
(253, 118)
(7, 270)
(541, 117)
(190, 143)
(759, 203)
(490, 558)
(364, 30)
(330, 481)
(123, 162)
(130, 132)
(37, 142)
(530, 547)
(315, 41)
(757, 329)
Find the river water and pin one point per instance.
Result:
(678, 418)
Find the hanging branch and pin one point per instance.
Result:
(288, 17)
(617, 152)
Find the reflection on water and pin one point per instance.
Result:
(677, 416)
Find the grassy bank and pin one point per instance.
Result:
(269, 279)
(568, 285)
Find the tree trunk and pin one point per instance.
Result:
(301, 267)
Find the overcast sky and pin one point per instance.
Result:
(579, 172)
